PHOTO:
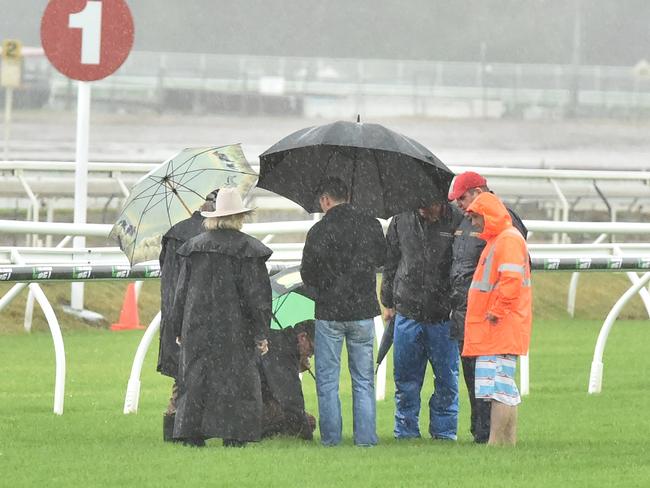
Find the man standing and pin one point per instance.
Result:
(466, 251)
(168, 350)
(415, 289)
(499, 314)
(339, 261)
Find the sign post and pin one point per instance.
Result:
(85, 40)
(12, 60)
(81, 181)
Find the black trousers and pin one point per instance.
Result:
(480, 409)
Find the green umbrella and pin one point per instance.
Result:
(290, 301)
(171, 191)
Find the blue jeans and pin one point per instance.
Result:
(359, 336)
(414, 344)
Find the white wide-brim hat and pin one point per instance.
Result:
(228, 202)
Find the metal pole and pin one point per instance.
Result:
(596, 373)
(132, 396)
(9, 100)
(81, 181)
(524, 375)
(482, 81)
(575, 60)
(573, 286)
(380, 393)
(59, 349)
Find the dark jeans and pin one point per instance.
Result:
(481, 409)
(415, 344)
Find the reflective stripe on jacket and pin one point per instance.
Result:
(500, 287)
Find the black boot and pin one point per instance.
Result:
(168, 427)
(482, 428)
(194, 442)
(233, 443)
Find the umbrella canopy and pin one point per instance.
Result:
(290, 301)
(386, 172)
(171, 191)
(386, 341)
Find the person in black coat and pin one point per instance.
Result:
(284, 404)
(339, 261)
(467, 250)
(415, 292)
(221, 317)
(170, 263)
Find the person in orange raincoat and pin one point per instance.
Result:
(499, 314)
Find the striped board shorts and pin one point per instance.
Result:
(495, 379)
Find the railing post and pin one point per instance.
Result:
(380, 387)
(573, 286)
(596, 373)
(524, 374)
(132, 397)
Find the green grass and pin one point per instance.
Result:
(566, 437)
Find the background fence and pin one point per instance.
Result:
(343, 87)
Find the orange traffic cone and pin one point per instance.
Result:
(129, 319)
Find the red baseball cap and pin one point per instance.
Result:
(465, 181)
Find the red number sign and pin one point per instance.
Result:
(87, 39)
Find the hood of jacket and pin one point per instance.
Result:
(497, 218)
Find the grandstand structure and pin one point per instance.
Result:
(341, 88)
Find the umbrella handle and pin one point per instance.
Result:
(173, 190)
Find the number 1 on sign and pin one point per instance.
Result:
(89, 20)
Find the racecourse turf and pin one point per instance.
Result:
(566, 437)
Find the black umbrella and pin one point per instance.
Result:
(386, 341)
(386, 172)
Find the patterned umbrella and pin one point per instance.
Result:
(170, 192)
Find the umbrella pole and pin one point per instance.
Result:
(173, 190)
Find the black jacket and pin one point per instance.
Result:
(467, 251)
(170, 264)
(416, 274)
(222, 306)
(284, 404)
(339, 261)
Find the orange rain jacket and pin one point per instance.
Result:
(500, 286)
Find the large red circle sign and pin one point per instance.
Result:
(87, 39)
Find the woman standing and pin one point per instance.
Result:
(222, 311)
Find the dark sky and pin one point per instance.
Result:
(615, 32)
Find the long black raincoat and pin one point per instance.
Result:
(170, 265)
(222, 307)
(284, 404)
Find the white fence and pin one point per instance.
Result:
(573, 255)
(49, 186)
(50, 179)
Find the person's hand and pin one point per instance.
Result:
(389, 313)
(311, 420)
(305, 364)
(262, 346)
(178, 340)
(493, 319)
